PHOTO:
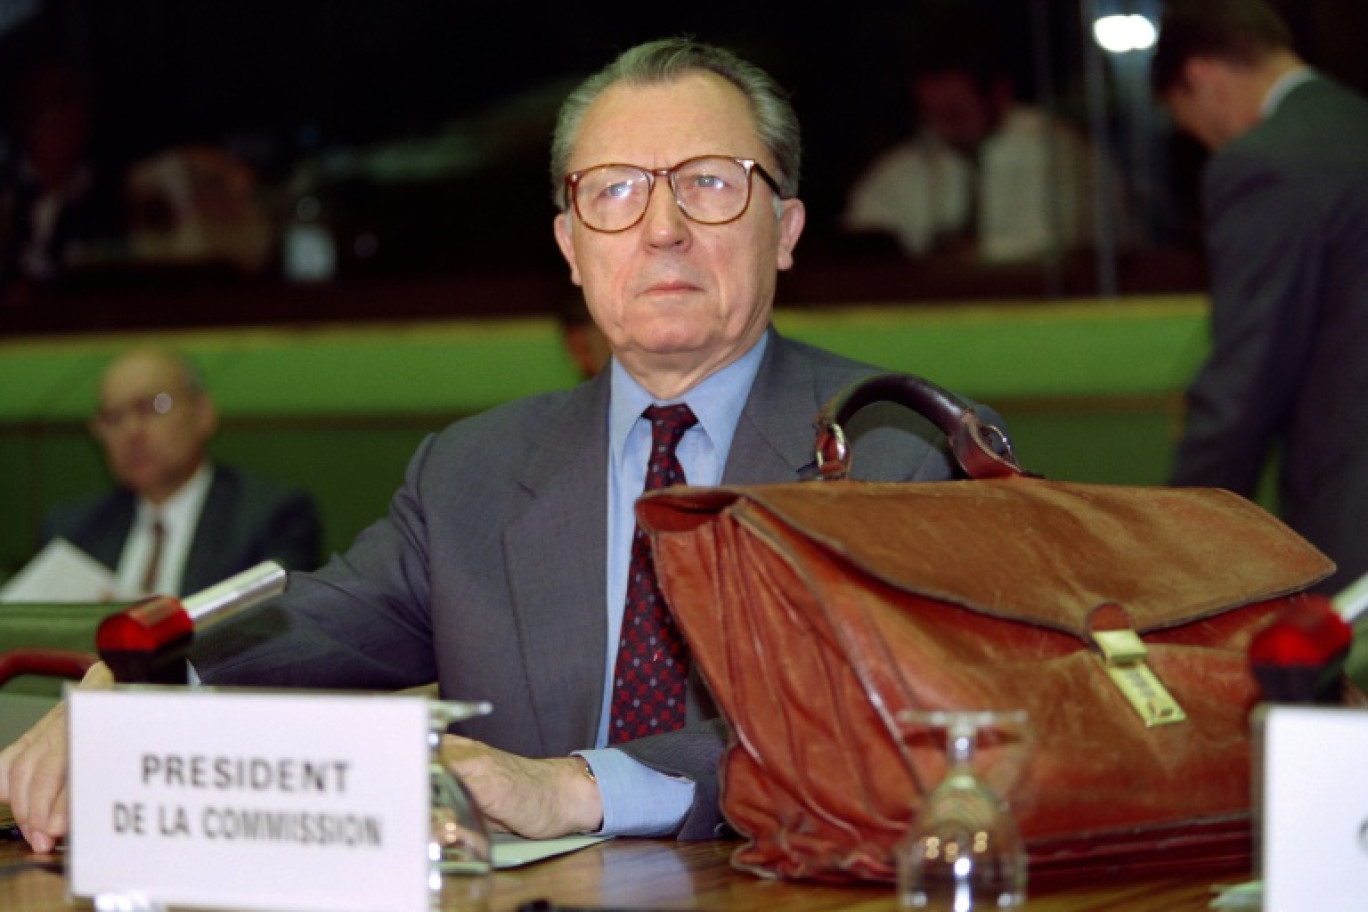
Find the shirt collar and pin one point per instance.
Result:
(178, 509)
(1284, 85)
(716, 401)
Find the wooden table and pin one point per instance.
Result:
(625, 874)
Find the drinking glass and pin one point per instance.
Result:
(459, 841)
(963, 851)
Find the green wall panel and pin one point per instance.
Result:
(1090, 391)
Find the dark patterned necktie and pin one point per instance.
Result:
(153, 569)
(652, 661)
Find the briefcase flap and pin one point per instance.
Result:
(1041, 552)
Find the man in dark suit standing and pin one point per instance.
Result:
(177, 523)
(506, 568)
(1285, 199)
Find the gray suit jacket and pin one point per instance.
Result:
(245, 520)
(1287, 235)
(488, 574)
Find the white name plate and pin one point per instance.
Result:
(249, 800)
(1313, 835)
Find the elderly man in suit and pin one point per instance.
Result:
(177, 522)
(506, 568)
(1285, 197)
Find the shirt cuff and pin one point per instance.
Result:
(637, 800)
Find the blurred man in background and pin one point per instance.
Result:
(584, 342)
(57, 208)
(178, 522)
(1285, 201)
(985, 177)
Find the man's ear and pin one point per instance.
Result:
(792, 217)
(561, 228)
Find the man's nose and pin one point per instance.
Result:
(664, 223)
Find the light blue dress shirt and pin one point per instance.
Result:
(638, 801)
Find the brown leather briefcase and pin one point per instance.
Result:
(818, 611)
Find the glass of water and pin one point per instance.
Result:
(963, 851)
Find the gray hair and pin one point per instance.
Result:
(665, 61)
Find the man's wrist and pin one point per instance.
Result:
(586, 801)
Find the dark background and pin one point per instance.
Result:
(430, 121)
(278, 81)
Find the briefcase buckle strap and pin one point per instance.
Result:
(1123, 656)
(833, 453)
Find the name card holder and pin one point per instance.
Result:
(215, 799)
(1312, 798)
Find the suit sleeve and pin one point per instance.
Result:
(1264, 250)
(361, 621)
(694, 752)
(292, 533)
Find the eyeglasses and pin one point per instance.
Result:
(709, 189)
(145, 409)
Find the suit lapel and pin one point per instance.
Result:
(556, 545)
(769, 444)
(556, 553)
(104, 538)
(204, 565)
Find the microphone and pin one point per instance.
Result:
(147, 642)
(1352, 600)
(1299, 657)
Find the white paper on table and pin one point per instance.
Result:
(1239, 896)
(62, 572)
(511, 851)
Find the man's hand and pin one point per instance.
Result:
(538, 799)
(33, 772)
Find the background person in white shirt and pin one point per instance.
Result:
(985, 176)
(154, 422)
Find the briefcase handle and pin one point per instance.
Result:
(982, 450)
